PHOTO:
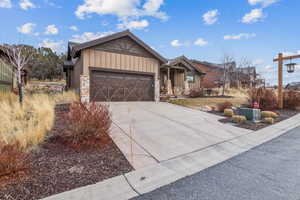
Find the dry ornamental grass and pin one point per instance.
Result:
(27, 123)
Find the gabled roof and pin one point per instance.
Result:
(184, 60)
(75, 48)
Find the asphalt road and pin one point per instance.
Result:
(268, 172)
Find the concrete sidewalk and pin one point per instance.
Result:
(157, 175)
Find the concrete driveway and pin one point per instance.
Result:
(149, 132)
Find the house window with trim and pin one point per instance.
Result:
(190, 77)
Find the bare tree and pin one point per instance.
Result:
(18, 56)
(227, 63)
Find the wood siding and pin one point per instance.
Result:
(179, 79)
(109, 60)
(197, 82)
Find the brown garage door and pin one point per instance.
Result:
(121, 86)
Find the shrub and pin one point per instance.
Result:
(268, 120)
(224, 105)
(291, 99)
(228, 112)
(238, 119)
(87, 123)
(12, 159)
(266, 98)
(26, 124)
(268, 114)
(196, 92)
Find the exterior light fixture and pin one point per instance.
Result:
(291, 67)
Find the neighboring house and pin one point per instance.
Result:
(214, 74)
(293, 86)
(121, 67)
(6, 74)
(235, 77)
(179, 75)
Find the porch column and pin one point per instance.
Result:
(186, 84)
(169, 84)
(85, 88)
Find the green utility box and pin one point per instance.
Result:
(250, 113)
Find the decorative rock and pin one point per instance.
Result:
(238, 119)
(268, 114)
(268, 120)
(228, 112)
(76, 169)
(206, 108)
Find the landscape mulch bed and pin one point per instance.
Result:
(283, 115)
(56, 167)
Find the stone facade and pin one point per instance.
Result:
(85, 88)
(157, 91)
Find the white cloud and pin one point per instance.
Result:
(211, 17)
(88, 36)
(239, 36)
(291, 53)
(258, 62)
(51, 30)
(254, 16)
(5, 4)
(200, 42)
(26, 4)
(176, 43)
(139, 25)
(26, 28)
(52, 4)
(74, 28)
(123, 9)
(265, 3)
(151, 8)
(269, 68)
(56, 46)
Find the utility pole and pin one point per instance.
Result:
(280, 61)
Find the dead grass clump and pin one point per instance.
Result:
(87, 124)
(196, 92)
(26, 124)
(12, 159)
(291, 99)
(65, 97)
(8, 97)
(266, 98)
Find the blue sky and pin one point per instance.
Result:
(204, 30)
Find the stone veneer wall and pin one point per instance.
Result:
(85, 88)
(157, 90)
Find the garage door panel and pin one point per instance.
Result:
(116, 86)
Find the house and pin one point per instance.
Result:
(293, 86)
(235, 77)
(121, 67)
(214, 74)
(179, 75)
(7, 78)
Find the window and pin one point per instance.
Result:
(190, 77)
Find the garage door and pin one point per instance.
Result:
(121, 86)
